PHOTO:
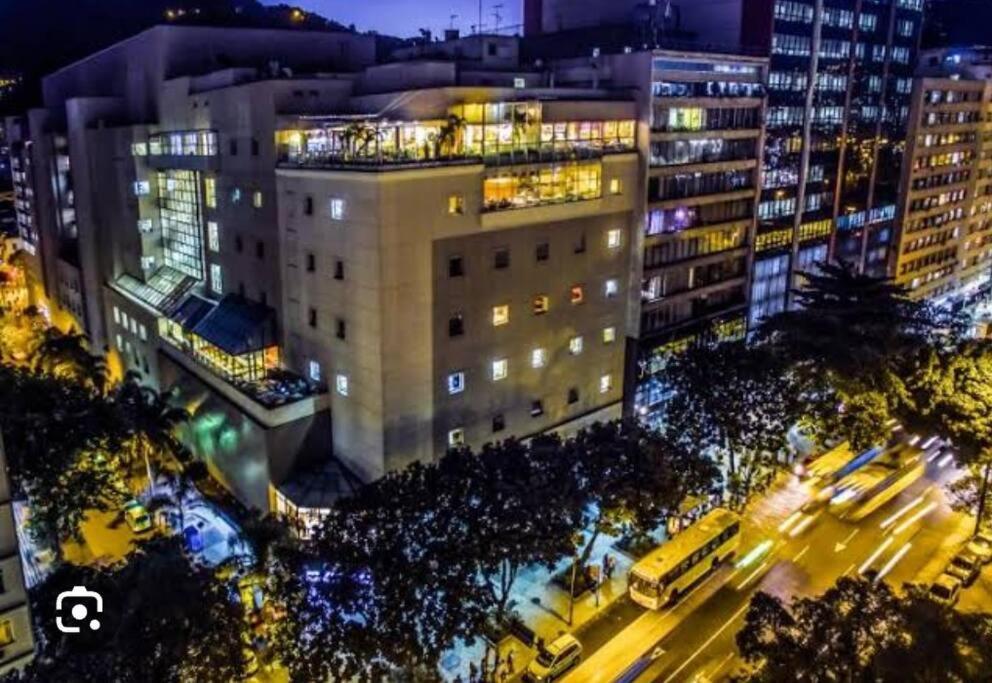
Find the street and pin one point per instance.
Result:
(909, 539)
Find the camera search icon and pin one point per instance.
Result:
(78, 602)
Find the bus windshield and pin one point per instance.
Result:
(643, 585)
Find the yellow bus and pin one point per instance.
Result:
(669, 570)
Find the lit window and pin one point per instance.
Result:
(501, 315)
(236, 195)
(575, 345)
(605, 384)
(341, 384)
(456, 204)
(500, 369)
(145, 225)
(612, 288)
(216, 279)
(210, 192)
(6, 632)
(117, 315)
(256, 199)
(614, 238)
(609, 335)
(134, 326)
(139, 149)
(540, 304)
(456, 437)
(577, 295)
(337, 209)
(213, 236)
(536, 408)
(615, 186)
(314, 371)
(538, 358)
(142, 188)
(120, 343)
(143, 332)
(519, 82)
(124, 320)
(456, 382)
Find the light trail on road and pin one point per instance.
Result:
(927, 509)
(705, 645)
(904, 509)
(875, 555)
(893, 561)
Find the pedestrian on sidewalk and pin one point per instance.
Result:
(509, 661)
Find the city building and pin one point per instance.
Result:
(338, 266)
(16, 633)
(945, 210)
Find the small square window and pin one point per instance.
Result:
(614, 238)
(143, 332)
(254, 149)
(538, 358)
(573, 395)
(501, 259)
(577, 295)
(519, 82)
(540, 304)
(233, 147)
(213, 236)
(238, 244)
(456, 204)
(339, 269)
(311, 263)
(216, 279)
(456, 437)
(337, 209)
(312, 317)
(609, 335)
(611, 288)
(256, 199)
(314, 371)
(456, 383)
(456, 266)
(341, 384)
(605, 384)
(499, 423)
(501, 315)
(236, 195)
(142, 188)
(536, 409)
(501, 368)
(308, 206)
(456, 326)
(616, 187)
(542, 252)
(575, 345)
(340, 328)
(117, 315)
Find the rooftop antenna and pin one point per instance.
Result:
(479, 25)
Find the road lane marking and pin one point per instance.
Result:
(893, 561)
(752, 575)
(926, 510)
(875, 555)
(929, 442)
(705, 645)
(933, 456)
(803, 525)
(905, 508)
(945, 461)
(800, 554)
(848, 570)
(843, 544)
(789, 521)
(722, 663)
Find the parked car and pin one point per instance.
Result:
(554, 660)
(945, 590)
(965, 566)
(981, 546)
(137, 517)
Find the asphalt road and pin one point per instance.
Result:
(909, 539)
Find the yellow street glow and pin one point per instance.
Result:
(802, 526)
(893, 561)
(927, 509)
(902, 511)
(790, 520)
(875, 555)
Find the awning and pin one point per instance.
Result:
(191, 311)
(238, 326)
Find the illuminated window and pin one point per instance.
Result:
(456, 383)
(314, 371)
(213, 236)
(256, 199)
(337, 209)
(536, 409)
(6, 632)
(609, 335)
(501, 315)
(540, 304)
(501, 368)
(615, 186)
(605, 384)
(120, 343)
(216, 279)
(456, 437)
(143, 332)
(117, 315)
(210, 192)
(575, 345)
(577, 294)
(538, 358)
(614, 238)
(139, 149)
(236, 195)
(519, 83)
(142, 188)
(611, 288)
(341, 384)
(456, 204)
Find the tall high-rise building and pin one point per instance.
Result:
(944, 250)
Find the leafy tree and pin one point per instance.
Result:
(736, 402)
(861, 631)
(176, 623)
(68, 356)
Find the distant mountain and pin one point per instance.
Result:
(38, 37)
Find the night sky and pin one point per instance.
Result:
(404, 17)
